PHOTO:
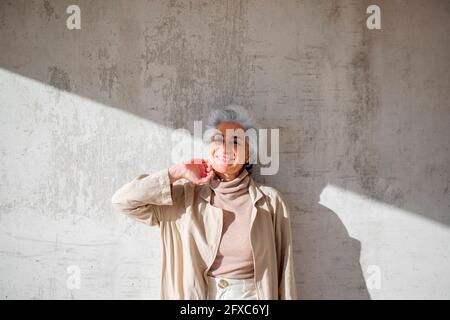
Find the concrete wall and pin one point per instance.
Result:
(364, 118)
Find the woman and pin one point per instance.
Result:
(223, 236)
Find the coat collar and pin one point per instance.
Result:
(256, 194)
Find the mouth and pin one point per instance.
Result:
(224, 159)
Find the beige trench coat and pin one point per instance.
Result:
(191, 229)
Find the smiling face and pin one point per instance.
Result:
(228, 150)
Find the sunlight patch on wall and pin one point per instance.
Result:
(63, 156)
(409, 251)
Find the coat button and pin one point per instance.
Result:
(223, 283)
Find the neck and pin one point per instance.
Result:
(231, 189)
(229, 176)
(226, 177)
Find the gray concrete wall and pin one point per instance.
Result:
(364, 118)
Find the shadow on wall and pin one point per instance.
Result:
(328, 259)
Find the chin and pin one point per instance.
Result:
(221, 168)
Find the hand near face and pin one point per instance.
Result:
(197, 171)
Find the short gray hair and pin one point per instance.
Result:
(236, 114)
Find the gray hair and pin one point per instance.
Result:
(236, 114)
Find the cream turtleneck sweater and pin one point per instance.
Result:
(234, 258)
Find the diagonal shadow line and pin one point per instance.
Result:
(169, 94)
(113, 86)
(319, 281)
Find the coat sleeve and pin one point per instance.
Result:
(287, 288)
(149, 198)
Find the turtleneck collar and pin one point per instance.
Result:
(235, 187)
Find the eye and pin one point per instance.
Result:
(238, 141)
(217, 138)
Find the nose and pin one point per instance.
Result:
(228, 148)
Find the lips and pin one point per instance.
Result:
(224, 158)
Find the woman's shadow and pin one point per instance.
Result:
(327, 259)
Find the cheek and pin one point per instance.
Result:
(212, 149)
(239, 152)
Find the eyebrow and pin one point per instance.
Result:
(235, 136)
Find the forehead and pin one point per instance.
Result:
(223, 126)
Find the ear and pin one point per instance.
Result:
(247, 158)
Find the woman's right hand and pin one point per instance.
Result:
(197, 171)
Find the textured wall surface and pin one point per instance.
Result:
(364, 118)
